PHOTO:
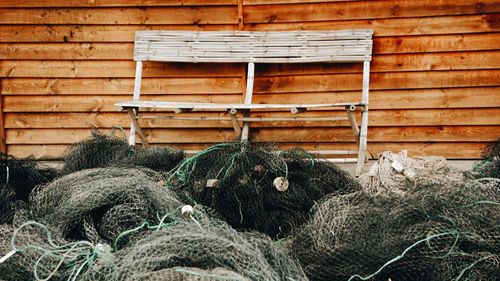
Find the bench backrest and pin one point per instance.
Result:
(254, 46)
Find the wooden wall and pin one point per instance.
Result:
(434, 85)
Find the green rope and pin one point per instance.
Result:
(480, 203)
(425, 240)
(75, 255)
(471, 266)
(148, 226)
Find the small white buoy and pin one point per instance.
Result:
(409, 173)
(281, 183)
(213, 183)
(396, 165)
(187, 211)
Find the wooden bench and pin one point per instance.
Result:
(335, 46)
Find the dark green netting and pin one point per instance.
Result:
(22, 175)
(102, 150)
(98, 204)
(450, 233)
(190, 245)
(258, 188)
(490, 166)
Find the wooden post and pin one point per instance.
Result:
(137, 95)
(248, 100)
(3, 147)
(363, 135)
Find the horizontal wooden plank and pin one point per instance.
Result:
(412, 117)
(436, 43)
(67, 51)
(286, 84)
(457, 150)
(91, 33)
(380, 63)
(93, 103)
(376, 134)
(398, 26)
(306, 12)
(397, 99)
(173, 86)
(124, 51)
(312, 83)
(113, 69)
(389, 99)
(111, 3)
(125, 33)
(149, 15)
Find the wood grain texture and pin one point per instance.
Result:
(119, 69)
(434, 86)
(124, 51)
(110, 3)
(307, 12)
(144, 15)
(457, 150)
(299, 135)
(111, 86)
(379, 118)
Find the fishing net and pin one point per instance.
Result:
(490, 166)
(102, 150)
(399, 173)
(98, 204)
(198, 247)
(257, 188)
(438, 234)
(22, 175)
(7, 199)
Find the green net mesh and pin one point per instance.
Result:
(446, 233)
(102, 150)
(198, 248)
(22, 175)
(258, 188)
(98, 204)
(490, 166)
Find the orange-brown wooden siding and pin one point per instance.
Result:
(435, 75)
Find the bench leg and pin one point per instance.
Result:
(363, 136)
(135, 127)
(236, 125)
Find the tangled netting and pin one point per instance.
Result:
(98, 204)
(257, 188)
(449, 233)
(399, 173)
(22, 175)
(191, 246)
(7, 199)
(206, 249)
(102, 150)
(490, 166)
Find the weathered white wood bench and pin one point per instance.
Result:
(336, 46)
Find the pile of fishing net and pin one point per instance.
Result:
(490, 166)
(399, 173)
(98, 204)
(20, 176)
(191, 246)
(102, 150)
(445, 233)
(258, 188)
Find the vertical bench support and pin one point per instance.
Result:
(363, 135)
(136, 97)
(248, 100)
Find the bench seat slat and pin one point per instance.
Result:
(222, 106)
